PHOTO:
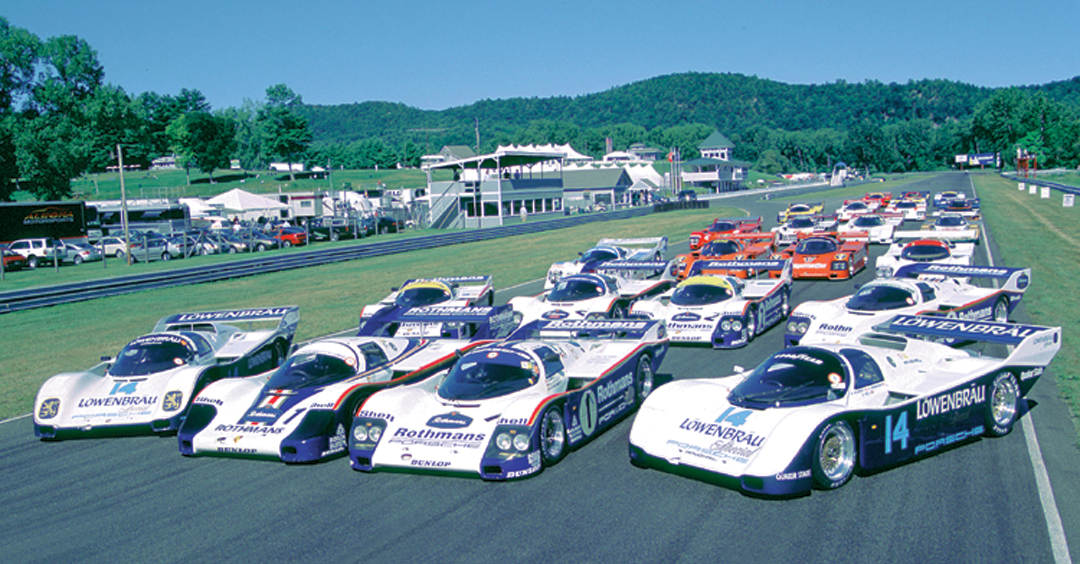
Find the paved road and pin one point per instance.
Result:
(137, 500)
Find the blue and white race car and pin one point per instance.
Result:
(723, 311)
(510, 409)
(924, 288)
(448, 291)
(302, 411)
(607, 293)
(147, 388)
(810, 417)
(607, 250)
(914, 247)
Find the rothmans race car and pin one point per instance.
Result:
(725, 312)
(451, 291)
(810, 417)
(788, 233)
(607, 250)
(722, 227)
(874, 227)
(832, 255)
(851, 208)
(510, 409)
(607, 293)
(911, 209)
(923, 288)
(147, 388)
(302, 411)
(954, 222)
(914, 247)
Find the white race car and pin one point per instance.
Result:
(923, 288)
(878, 227)
(788, 233)
(912, 210)
(608, 293)
(723, 311)
(450, 291)
(148, 387)
(301, 411)
(606, 250)
(810, 417)
(937, 247)
(851, 208)
(955, 222)
(510, 409)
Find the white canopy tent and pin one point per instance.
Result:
(245, 205)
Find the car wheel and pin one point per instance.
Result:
(752, 322)
(77, 260)
(491, 299)
(31, 261)
(834, 455)
(204, 251)
(120, 255)
(618, 311)
(1003, 407)
(334, 236)
(552, 435)
(279, 353)
(785, 304)
(260, 247)
(1001, 310)
(644, 378)
(166, 257)
(286, 244)
(232, 250)
(851, 269)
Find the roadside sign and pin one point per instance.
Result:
(1067, 201)
(1046, 192)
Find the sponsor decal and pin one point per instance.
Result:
(971, 314)
(555, 314)
(834, 329)
(951, 401)
(783, 476)
(605, 392)
(690, 326)
(271, 402)
(443, 439)
(955, 270)
(686, 316)
(1022, 281)
(257, 359)
(1029, 374)
(429, 463)
(586, 324)
(236, 450)
(973, 328)
(376, 415)
(512, 421)
(735, 437)
(452, 420)
(173, 400)
(209, 401)
(166, 339)
(249, 429)
(337, 441)
(49, 215)
(976, 431)
(802, 357)
(447, 311)
(233, 314)
(49, 408)
(126, 401)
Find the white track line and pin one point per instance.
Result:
(1059, 545)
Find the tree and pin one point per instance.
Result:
(285, 134)
(204, 141)
(18, 53)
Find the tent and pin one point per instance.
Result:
(245, 205)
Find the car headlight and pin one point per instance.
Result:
(521, 442)
(726, 325)
(838, 265)
(798, 326)
(361, 434)
(884, 272)
(593, 315)
(736, 325)
(503, 441)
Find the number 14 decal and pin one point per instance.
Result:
(899, 433)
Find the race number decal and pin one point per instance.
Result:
(588, 410)
(900, 433)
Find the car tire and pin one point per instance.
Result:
(120, 255)
(552, 435)
(286, 244)
(644, 379)
(752, 324)
(785, 304)
(77, 260)
(166, 256)
(1001, 310)
(260, 247)
(232, 250)
(835, 451)
(334, 236)
(618, 311)
(204, 251)
(32, 262)
(1003, 406)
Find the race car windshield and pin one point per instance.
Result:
(905, 205)
(575, 290)
(800, 222)
(816, 247)
(700, 294)
(951, 221)
(143, 356)
(479, 376)
(793, 377)
(924, 253)
(798, 209)
(856, 206)
(868, 221)
(308, 370)
(722, 227)
(880, 297)
(720, 248)
(599, 255)
(419, 297)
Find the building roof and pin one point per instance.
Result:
(457, 151)
(716, 140)
(705, 161)
(595, 179)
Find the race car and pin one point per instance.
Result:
(725, 312)
(912, 210)
(302, 411)
(453, 291)
(511, 409)
(966, 207)
(954, 222)
(788, 233)
(794, 210)
(608, 293)
(925, 288)
(943, 198)
(147, 388)
(874, 227)
(832, 255)
(722, 227)
(810, 417)
(606, 250)
(881, 199)
(851, 208)
(732, 247)
(936, 247)
(920, 196)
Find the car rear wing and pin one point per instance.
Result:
(471, 322)
(620, 329)
(484, 280)
(951, 236)
(211, 321)
(632, 269)
(1016, 279)
(723, 266)
(656, 243)
(1033, 345)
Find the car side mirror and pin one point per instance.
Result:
(739, 369)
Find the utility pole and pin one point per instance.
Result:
(123, 205)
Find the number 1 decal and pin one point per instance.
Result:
(899, 433)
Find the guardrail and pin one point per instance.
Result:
(1053, 185)
(17, 300)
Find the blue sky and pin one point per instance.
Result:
(439, 54)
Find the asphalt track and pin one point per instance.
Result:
(138, 500)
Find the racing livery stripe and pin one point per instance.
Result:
(552, 397)
(421, 369)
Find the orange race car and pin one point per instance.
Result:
(721, 227)
(882, 198)
(829, 254)
(739, 246)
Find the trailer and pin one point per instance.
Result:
(56, 220)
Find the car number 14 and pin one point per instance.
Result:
(900, 433)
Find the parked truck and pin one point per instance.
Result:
(57, 220)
